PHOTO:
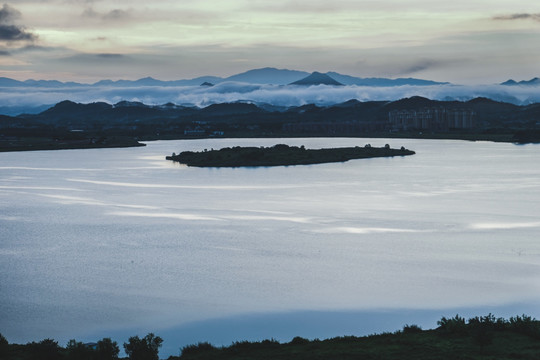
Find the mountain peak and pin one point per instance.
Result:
(268, 75)
(511, 82)
(317, 78)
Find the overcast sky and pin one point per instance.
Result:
(461, 41)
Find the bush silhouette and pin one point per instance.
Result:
(410, 329)
(453, 326)
(196, 349)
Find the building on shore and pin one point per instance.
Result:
(433, 119)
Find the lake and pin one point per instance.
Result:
(118, 242)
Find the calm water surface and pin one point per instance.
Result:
(107, 242)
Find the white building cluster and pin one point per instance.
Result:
(435, 119)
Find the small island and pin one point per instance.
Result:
(281, 155)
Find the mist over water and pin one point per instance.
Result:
(118, 242)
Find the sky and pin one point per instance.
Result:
(461, 41)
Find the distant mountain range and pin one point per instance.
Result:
(266, 75)
(77, 115)
(533, 82)
(100, 122)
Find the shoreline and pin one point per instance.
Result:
(39, 144)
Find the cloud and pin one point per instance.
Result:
(110, 56)
(520, 16)
(113, 15)
(271, 94)
(420, 65)
(116, 14)
(9, 31)
(298, 7)
(91, 59)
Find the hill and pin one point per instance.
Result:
(268, 75)
(317, 78)
(533, 82)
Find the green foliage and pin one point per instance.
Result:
(146, 348)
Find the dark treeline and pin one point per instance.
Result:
(484, 337)
(136, 348)
(69, 124)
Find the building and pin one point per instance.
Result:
(433, 119)
(197, 131)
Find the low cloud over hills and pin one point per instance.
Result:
(30, 96)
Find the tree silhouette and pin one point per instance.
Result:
(146, 348)
(107, 349)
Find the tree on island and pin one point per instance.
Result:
(146, 348)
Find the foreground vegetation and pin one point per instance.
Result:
(280, 154)
(478, 338)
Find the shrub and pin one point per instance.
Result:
(196, 349)
(454, 326)
(411, 329)
(525, 325)
(299, 341)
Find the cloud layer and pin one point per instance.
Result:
(270, 94)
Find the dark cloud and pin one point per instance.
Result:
(8, 14)
(113, 15)
(521, 16)
(82, 59)
(9, 31)
(4, 53)
(89, 13)
(110, 56)
(420, 66)
(116, 14)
